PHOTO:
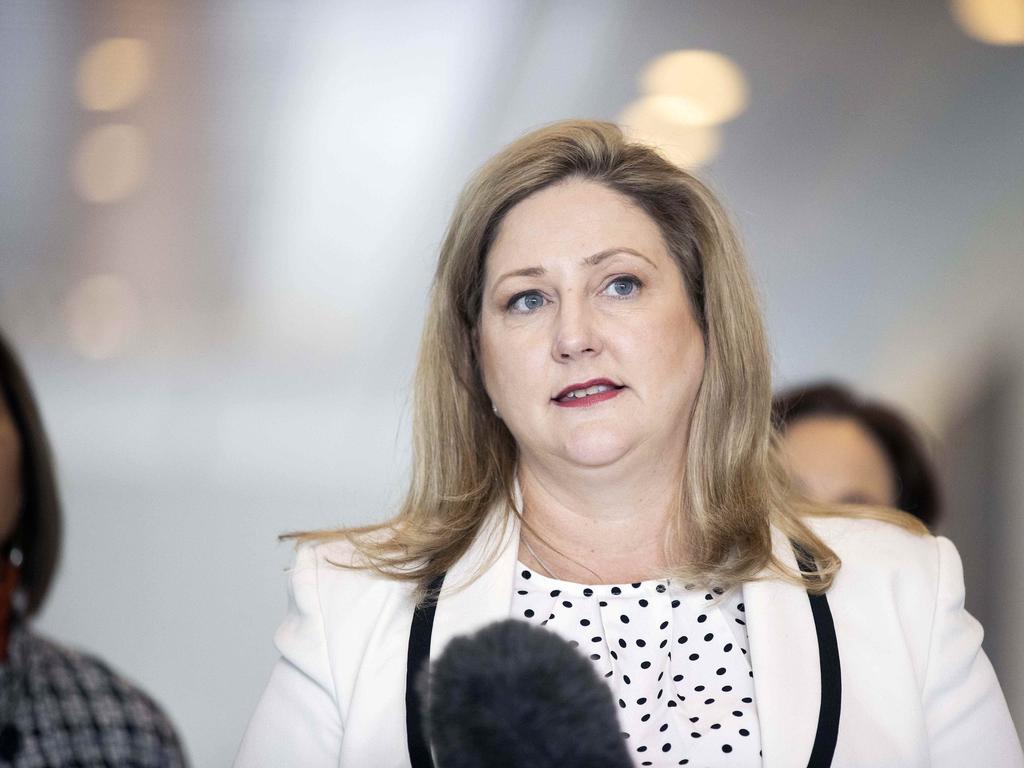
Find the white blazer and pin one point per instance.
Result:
(917, 689)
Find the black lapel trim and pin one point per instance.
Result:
(828, 655)
(831, 674)
(419, 654)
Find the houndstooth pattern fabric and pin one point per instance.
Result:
(70, 710)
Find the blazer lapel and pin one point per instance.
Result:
(780, 628)
(784, 658)
(467, 604)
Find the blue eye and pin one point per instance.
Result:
(526, 302)
(623, 287)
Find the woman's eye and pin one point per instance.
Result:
(622, 287)
(526, 302)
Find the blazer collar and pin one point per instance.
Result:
(780, 630)
(467, 604)
(784, 658)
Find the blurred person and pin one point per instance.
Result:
(841, 448)
(58, 707)
(593, 454)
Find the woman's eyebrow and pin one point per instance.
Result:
(527, 271)
(597, 258)
(589, 261)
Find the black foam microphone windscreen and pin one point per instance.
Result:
(517, 696)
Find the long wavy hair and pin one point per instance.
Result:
(464, 458)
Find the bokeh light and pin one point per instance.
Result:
(114, 73)
(103, 315)
(696, 87)
(997, 22)
(688, 146)
(110, 163)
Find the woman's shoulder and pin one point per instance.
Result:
(105, 699)
(340, 554)
(338, 572)
(333, 550)
(91, 674)
(855, 533)
(339, 610)
(884, 553)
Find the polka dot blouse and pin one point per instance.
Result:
(674, 656)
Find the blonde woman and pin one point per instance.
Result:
(594, 454)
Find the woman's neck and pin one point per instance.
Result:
(595, 526)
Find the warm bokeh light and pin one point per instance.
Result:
(677, 109)
(114, 73)
(696, 87)
(110, 163)
(688, 146)
(103, 314)
(997, 22)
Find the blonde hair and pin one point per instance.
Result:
(464, 458)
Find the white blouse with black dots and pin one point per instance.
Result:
(674, 656)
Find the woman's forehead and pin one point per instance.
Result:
(571, 220)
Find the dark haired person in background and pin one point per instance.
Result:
(58, 707)
(842, 448)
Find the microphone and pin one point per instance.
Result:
(513, 695)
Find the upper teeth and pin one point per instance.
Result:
(590, 390)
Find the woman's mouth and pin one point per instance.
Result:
(587, 393)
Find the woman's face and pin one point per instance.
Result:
(10, 473)
(833, 459)
(588, 345)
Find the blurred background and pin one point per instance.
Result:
(218, 222)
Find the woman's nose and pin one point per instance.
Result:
(576, 335)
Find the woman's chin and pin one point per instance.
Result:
(596, 450)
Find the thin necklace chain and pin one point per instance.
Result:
(536, 557)
(548, 570)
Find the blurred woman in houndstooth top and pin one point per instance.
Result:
(58, 707)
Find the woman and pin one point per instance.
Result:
(842, 449)
(58, 707)
(592, 444)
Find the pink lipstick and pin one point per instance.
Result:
(587, 393)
